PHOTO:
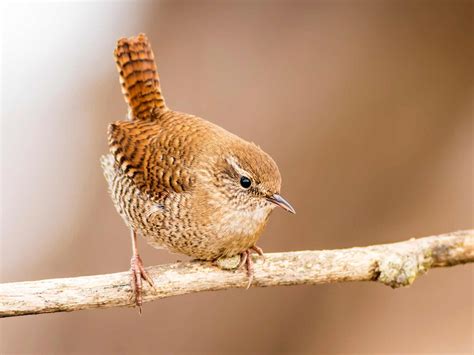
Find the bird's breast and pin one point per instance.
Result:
(243, 223)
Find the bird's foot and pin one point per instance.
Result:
(259, 251)
(246, 259)
(138, 275)
(238, 261)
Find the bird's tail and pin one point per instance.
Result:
(139, 77)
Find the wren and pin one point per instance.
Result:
(181, 182)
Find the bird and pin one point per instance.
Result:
(181, 182)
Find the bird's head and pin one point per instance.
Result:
(249, 178)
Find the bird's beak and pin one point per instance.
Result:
(280, 201)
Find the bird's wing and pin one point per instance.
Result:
(142, 153)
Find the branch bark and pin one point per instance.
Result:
(395, 265)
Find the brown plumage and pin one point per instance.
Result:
(181, 181)
(139, 76)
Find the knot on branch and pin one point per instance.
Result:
(401, 269)
(228, 263)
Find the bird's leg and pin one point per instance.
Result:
(232, 263)
(249, 267)
(138, 273)
(246, 258)
(243, 259)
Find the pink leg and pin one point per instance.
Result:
(246, 259)
(138, 273)
(243, 259)
(249, 266)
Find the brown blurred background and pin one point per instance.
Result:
(365, 105)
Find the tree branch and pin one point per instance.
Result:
(396, 265)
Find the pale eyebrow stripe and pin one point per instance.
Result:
(233, 162)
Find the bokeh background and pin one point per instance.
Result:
(365, 105)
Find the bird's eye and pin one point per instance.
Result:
(245, 182)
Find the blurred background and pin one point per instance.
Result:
(365, 105)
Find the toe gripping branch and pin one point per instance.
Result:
(138, 274)
(246, 259)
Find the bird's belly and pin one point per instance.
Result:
(224, 235)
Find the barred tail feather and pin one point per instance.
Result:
(139, 77)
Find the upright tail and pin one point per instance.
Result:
(139, 77)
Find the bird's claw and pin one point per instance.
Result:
(246, 259)
(138, 275)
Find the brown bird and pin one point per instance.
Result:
(183, 183)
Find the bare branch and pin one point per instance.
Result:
(396, 265)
